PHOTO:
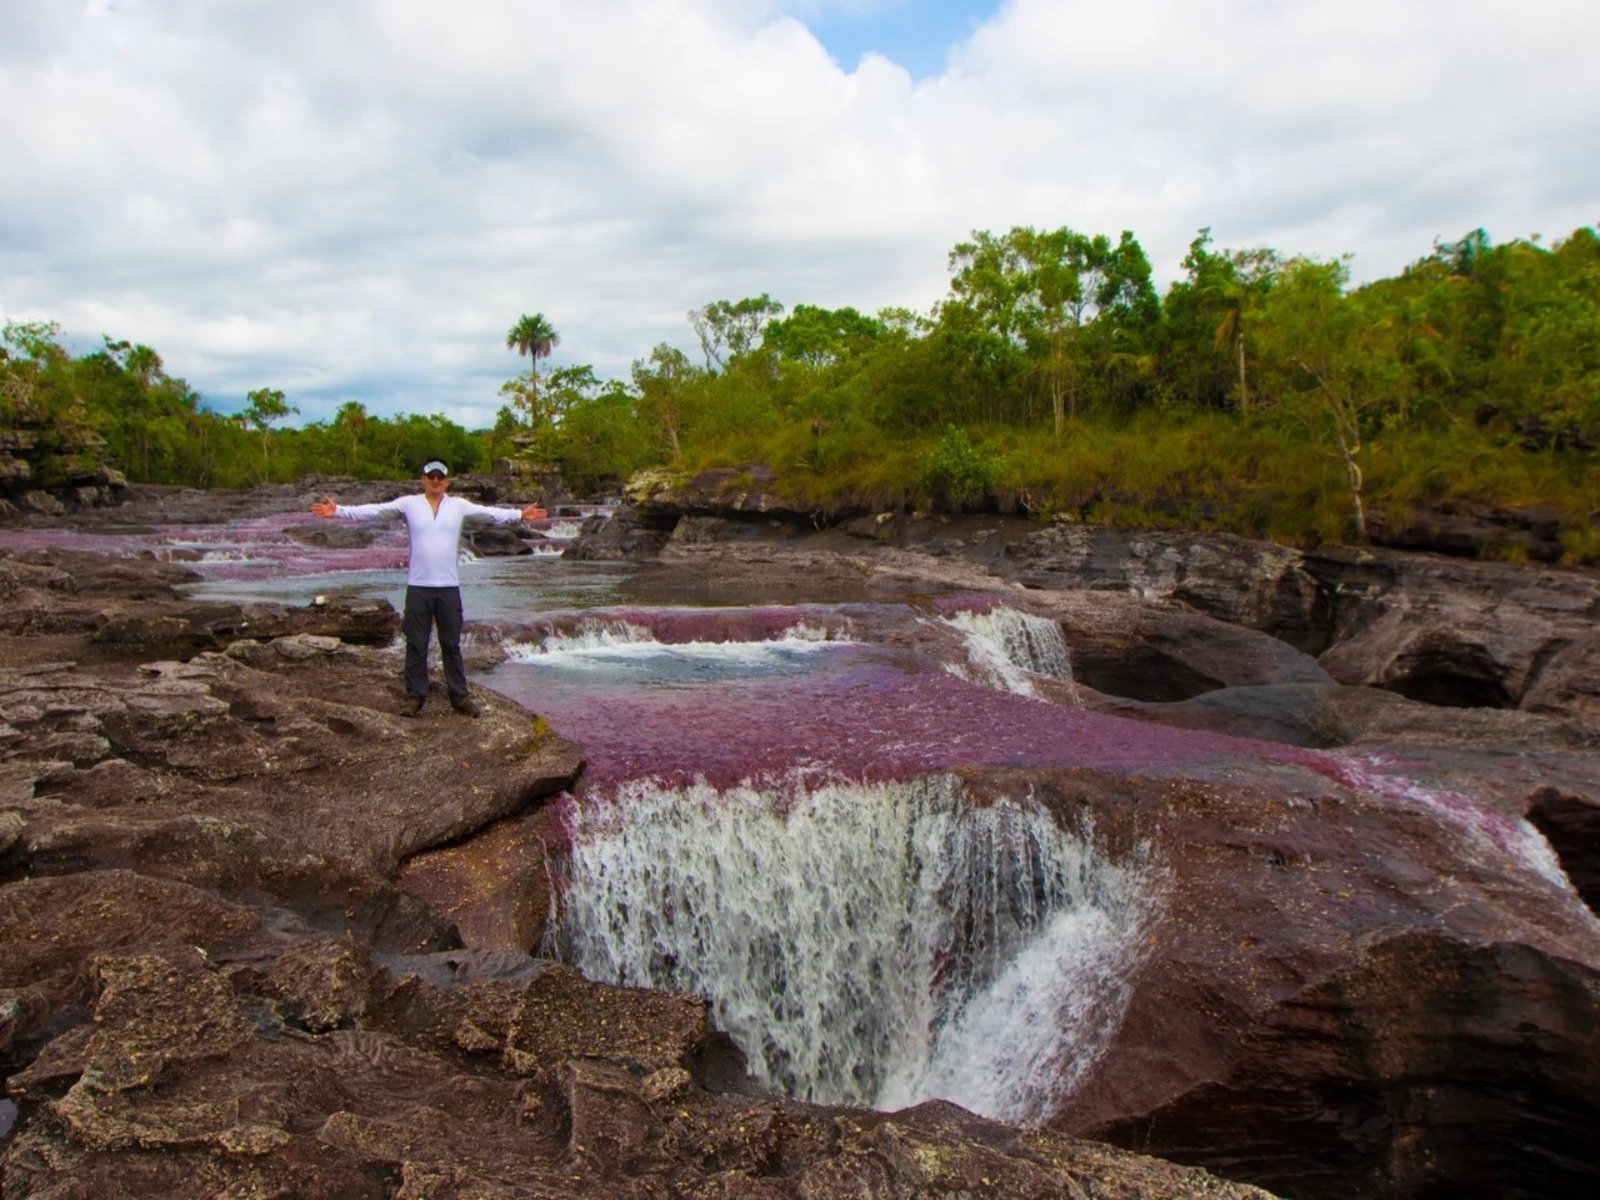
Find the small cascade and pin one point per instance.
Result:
(197, 553)
(1013, 647)
(587, 636)
(596, 636)
(620, 648)
(866, 944)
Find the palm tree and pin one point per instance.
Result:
(352, 421)
(1235, 293)
(1230, 296)
(535, 337)
(144, 364)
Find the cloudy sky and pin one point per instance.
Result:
(355, 199)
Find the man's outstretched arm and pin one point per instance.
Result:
(356, 512)
(502, 515)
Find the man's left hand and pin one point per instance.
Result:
(532, 512)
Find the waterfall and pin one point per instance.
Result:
(1013, 646)
(874, 945)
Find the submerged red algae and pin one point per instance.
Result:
(863, 713)
(876, 713)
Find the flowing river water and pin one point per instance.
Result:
(773, 816)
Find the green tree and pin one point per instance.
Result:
(397, 446)
(980, 326)
(729, 328)
(667, 385)
(1033, 295)
(543, 409)
(265, 407)
(1547, 364)
(1339, 367)
(821, 337)
(568, 387)
(144, 364)
(602, 441)
(38, 341)
(956, 472)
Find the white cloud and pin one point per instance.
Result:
(356, 198)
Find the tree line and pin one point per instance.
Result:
(118, 403)
(1260, 392)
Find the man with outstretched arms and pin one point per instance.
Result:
(433, 586)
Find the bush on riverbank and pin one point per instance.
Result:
(1203, 471)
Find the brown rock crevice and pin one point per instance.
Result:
(1404, 1074)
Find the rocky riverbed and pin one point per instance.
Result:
(214, 981)
(261, 935)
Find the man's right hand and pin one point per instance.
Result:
(326, 508)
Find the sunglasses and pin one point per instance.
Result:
(435, 475)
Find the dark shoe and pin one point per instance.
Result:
(412, 707)
(466, 706)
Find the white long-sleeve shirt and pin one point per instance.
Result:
(435, 537)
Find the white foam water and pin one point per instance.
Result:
(876, 945)
(589, 636)
(1013, 647)
(606, 644)
(199, 553)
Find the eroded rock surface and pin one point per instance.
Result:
(1381, 978)
(1453, 633)
(199, 1075)
(235, 886)
(132, 608)
(1397, 986)
(214, 981)
(1445, 631)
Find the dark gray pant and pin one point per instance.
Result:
(425, 608)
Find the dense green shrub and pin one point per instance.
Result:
(956, 473)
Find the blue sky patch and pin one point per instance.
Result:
(917, 34)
